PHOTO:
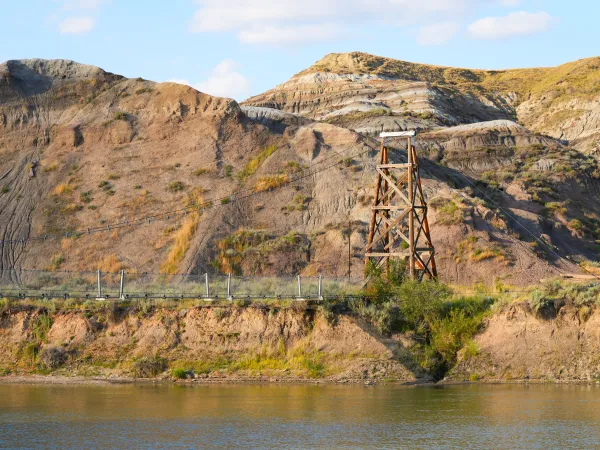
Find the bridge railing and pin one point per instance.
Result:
(134, 285)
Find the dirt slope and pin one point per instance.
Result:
(518, 344)
(82, 148)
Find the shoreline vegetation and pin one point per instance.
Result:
(401, 331)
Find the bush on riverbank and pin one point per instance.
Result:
(440, 323)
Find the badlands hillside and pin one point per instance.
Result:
(82, 148)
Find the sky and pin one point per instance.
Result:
(239, 48)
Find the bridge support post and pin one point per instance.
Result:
(122, 286)
(320, 290)
(99, 285)
(299, 287)
(229, 296)
(206, 285)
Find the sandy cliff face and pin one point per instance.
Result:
(518, 344)
(217, 342)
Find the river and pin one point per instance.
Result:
(299, 416)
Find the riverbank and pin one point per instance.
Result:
(546, 336)
(217, 343)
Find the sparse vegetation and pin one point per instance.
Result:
(252, 249)
(56, 261)
(120, 115)
(148, 367)
(52, 167)
(481, 254)
(448, 212)
(5, 189)
(294, 167)
(576, 225)
(52, 357)
(182, 238)
(86, 197)
(256, 162)
(346, 120)
(63, 189)
(201, 171)
(269, 182)
(299, 203)
(176, 186)
(556, 208)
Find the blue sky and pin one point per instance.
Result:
(239, 48)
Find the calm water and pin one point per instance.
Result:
(281, 416)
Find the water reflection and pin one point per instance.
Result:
(299, 416)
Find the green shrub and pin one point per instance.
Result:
(576, 225)
(5, 305)
(143, 307)
(219, 313)
(540, 303)
(440, 324)
(5, 189)
(447, 211)
(471, 349)
(176, 186)
(40, 327)
(315, 368)
(179, 373)
(120, 115)
(52, 357)
(148, 367)
(86, 197)
(30, 351)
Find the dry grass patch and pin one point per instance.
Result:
(63, 189)
(56, 262)
(51, 167)
(110, 264)
(182, 237)
(269, 182)
(256, 162)
(482, 254)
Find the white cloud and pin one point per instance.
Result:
(294, 21)
(83, 4)
(520, 23)
(437, 34)
(76, 25)
(509, 2)
(290, 35)
(225, 81)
